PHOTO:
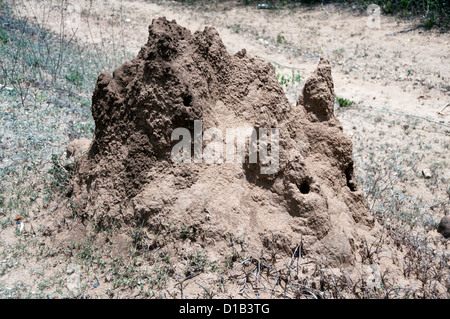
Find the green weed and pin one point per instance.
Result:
(343, 102)
(281, 39)
(3, 37)
(75, 77)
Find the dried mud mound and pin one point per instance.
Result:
(127, 177)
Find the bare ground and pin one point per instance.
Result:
(402, 77)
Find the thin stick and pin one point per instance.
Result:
(32, 228)
(242, 262)
(401, 31)
(208, 293)
(293, 256)
(440, 112)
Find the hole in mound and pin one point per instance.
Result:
(304, 187)
(349, 176)
(187, 100)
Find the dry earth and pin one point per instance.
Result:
(405, 71)
(381, 69)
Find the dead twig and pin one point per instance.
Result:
(440, 112)
(184, 279)
(401, 31)
(208, 293)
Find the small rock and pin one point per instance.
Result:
(73, 281)
(77, 147)
(426, 173)
(71, 268)
(374, 280)
(444, 226)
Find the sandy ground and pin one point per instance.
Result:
(381, 68)
(374, 65)
(383, 64)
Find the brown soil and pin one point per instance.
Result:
(126, 179)
(127, 175)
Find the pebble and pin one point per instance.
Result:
(71, 269)
(374, 280)
(444, 227)
(426, 173)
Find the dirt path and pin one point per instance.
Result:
(376, 67)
